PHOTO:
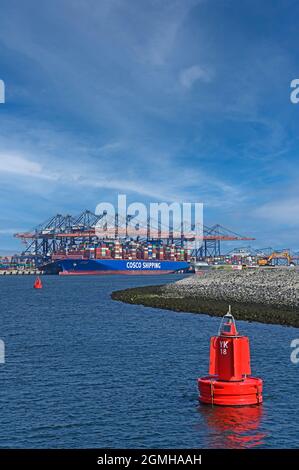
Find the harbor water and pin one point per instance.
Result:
(84, 371)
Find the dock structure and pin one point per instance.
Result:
(20, 272)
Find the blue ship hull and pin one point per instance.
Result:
(73, 266)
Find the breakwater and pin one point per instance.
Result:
(264, 295)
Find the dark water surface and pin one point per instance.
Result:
(85, 371)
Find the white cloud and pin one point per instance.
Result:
(192, 74)
(283, 211)
(17, 164)
(169, 185)
(110, 147)
(118, 164)
(161, 24)
(10, 163)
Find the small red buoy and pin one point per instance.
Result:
(228, 382)
(37, 283)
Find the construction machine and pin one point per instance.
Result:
(276, 255)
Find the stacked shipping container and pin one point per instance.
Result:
(127, 250)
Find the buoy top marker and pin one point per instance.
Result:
(228, 325)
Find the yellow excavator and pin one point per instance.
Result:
(279, 255)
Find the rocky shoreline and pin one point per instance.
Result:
(263, 295)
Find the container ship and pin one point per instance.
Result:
(117, 258)
(86, 244)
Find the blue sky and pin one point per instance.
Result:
(162, 100)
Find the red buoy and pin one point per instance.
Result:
(37, 283)
(228, 382)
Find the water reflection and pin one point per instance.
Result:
(233, 427)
